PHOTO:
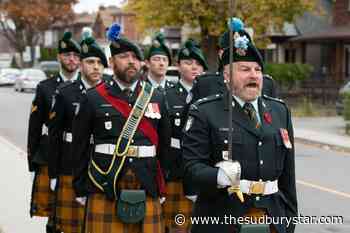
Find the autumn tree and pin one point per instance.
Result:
(211, 16)
(22, 22)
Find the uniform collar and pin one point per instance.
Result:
(74, 77)
(185, 85)
(241, 102)
(86, 85)
(154, 83)
(122, 87)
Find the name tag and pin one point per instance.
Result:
(175, 143)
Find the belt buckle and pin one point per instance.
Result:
(257, 187)
(133, 151)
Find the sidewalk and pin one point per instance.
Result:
(15, 183)
(328, 131)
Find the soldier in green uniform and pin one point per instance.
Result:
(69, 213)
(38, 156)
(129, 123)
(262, 144)
(158, 59)
(180, 193)
(213, 83)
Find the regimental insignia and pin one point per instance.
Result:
(156, 43)
(153, 111)
(85, 48)
(189, 123)
(177, 121)
(241, 52)
(285, 138)
(63, 45)
(52, 115)
(186, 52)
(116, 44)
(108, 125)
(34, 108)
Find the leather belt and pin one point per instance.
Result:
(133, 151)
(259, 187)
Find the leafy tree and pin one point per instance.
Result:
(22, 22)
(211, 16)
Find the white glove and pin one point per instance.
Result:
(32, 176)
(162, 200)
(222, 179)
(193, 198)
(81, 200)
(53, 183)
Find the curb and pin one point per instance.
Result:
(322, 145)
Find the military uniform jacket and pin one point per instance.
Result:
(261, 153)
(66, 105)
(176, 99)
(37, 142)
(100, 118)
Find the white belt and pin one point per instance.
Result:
(44, 130)
(133, 151)
(259, 187)
(67, 137)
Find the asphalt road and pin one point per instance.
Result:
(323, 187)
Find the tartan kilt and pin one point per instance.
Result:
(101, 212)
(42, 200)
(256, 213)
(69, 213)
(176, 203)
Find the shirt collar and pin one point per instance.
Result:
(122, 87)
(241, 103)
(155, 84)
(86, 84)
(186, 86)
(74, 77)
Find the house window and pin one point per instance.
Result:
(290, 55)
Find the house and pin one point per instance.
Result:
(328, 48)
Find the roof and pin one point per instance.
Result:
(331, 33)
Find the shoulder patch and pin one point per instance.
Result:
(274, 99)
(208, 99)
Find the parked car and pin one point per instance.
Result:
(29, 79)
(8, 76)
(172, 74)
(339, 104)
(50, 68)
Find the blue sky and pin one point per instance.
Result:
(92, 5)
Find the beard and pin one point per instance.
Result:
(69, 68)
(128, 75)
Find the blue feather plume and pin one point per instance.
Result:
(235, 24)
(113, 32)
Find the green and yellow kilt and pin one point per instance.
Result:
(101, 213)
(43, 198)
(69, 213)
(176, 203)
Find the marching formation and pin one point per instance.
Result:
(132, 151)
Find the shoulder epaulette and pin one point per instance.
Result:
(268, 76)
(208, 99)
(274, 99)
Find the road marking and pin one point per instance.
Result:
(315, 186)
(18, 150)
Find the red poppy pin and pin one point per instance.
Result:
(267, 117)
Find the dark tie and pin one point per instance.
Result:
(127, 92)
(250, 111)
